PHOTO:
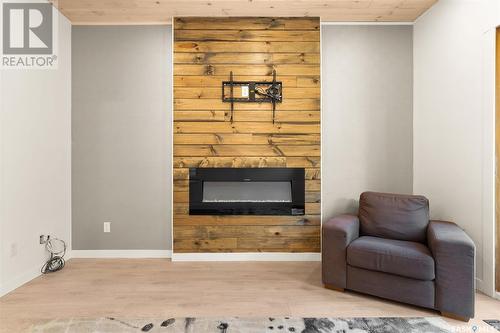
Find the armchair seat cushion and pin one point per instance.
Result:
(403, 258)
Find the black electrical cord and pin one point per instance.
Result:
(273, 92)
(56, 261)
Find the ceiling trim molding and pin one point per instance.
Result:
(325, 23)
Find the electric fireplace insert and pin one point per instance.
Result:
(246, 191)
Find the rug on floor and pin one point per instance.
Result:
(493, 322)
(247, 325)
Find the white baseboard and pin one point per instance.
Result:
(19, 280)
(120, 254)
(488, 291)
(247, 256)
(479, 284)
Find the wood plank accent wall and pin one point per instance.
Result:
(205, 51)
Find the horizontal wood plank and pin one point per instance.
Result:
(245, 127)
(246, 116)
(216, 80)
(303, 162)
(182, 209)
(246, 23)
(247, 35)
(308, 81)
(216, 92)
(292, 151)
(180, 173)
(204, 81)
(311, 104)
(268, 244)
(183, 197)
(280, 116)
(313, 173)
(258, 47)
(313, 185)
(294, 139)
(180, 186)
(216, 220)
(310, 244)
(246, 162)
(223, 69)
(313, 196)
(206, 245)
(251, 244)
(245, 231)
(201, 115)
(248, 139)
(313, 208)
(229, 162)
(246, 58)
(225, 150)
(246, 150)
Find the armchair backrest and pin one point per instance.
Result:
(394, 216)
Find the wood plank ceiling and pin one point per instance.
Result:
(130, 12)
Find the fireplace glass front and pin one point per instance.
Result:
(246, 191)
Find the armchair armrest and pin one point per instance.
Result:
(453, 252)
(338, 233)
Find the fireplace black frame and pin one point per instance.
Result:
(199, 175)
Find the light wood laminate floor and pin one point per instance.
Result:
(158, 288)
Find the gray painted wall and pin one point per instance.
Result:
(121, 164)
(367, 113)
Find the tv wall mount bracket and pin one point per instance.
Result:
(255, 92)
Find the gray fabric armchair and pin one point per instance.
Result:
(392, 250)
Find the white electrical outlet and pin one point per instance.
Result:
(244, 91)
(107, 226)
(13, 250)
